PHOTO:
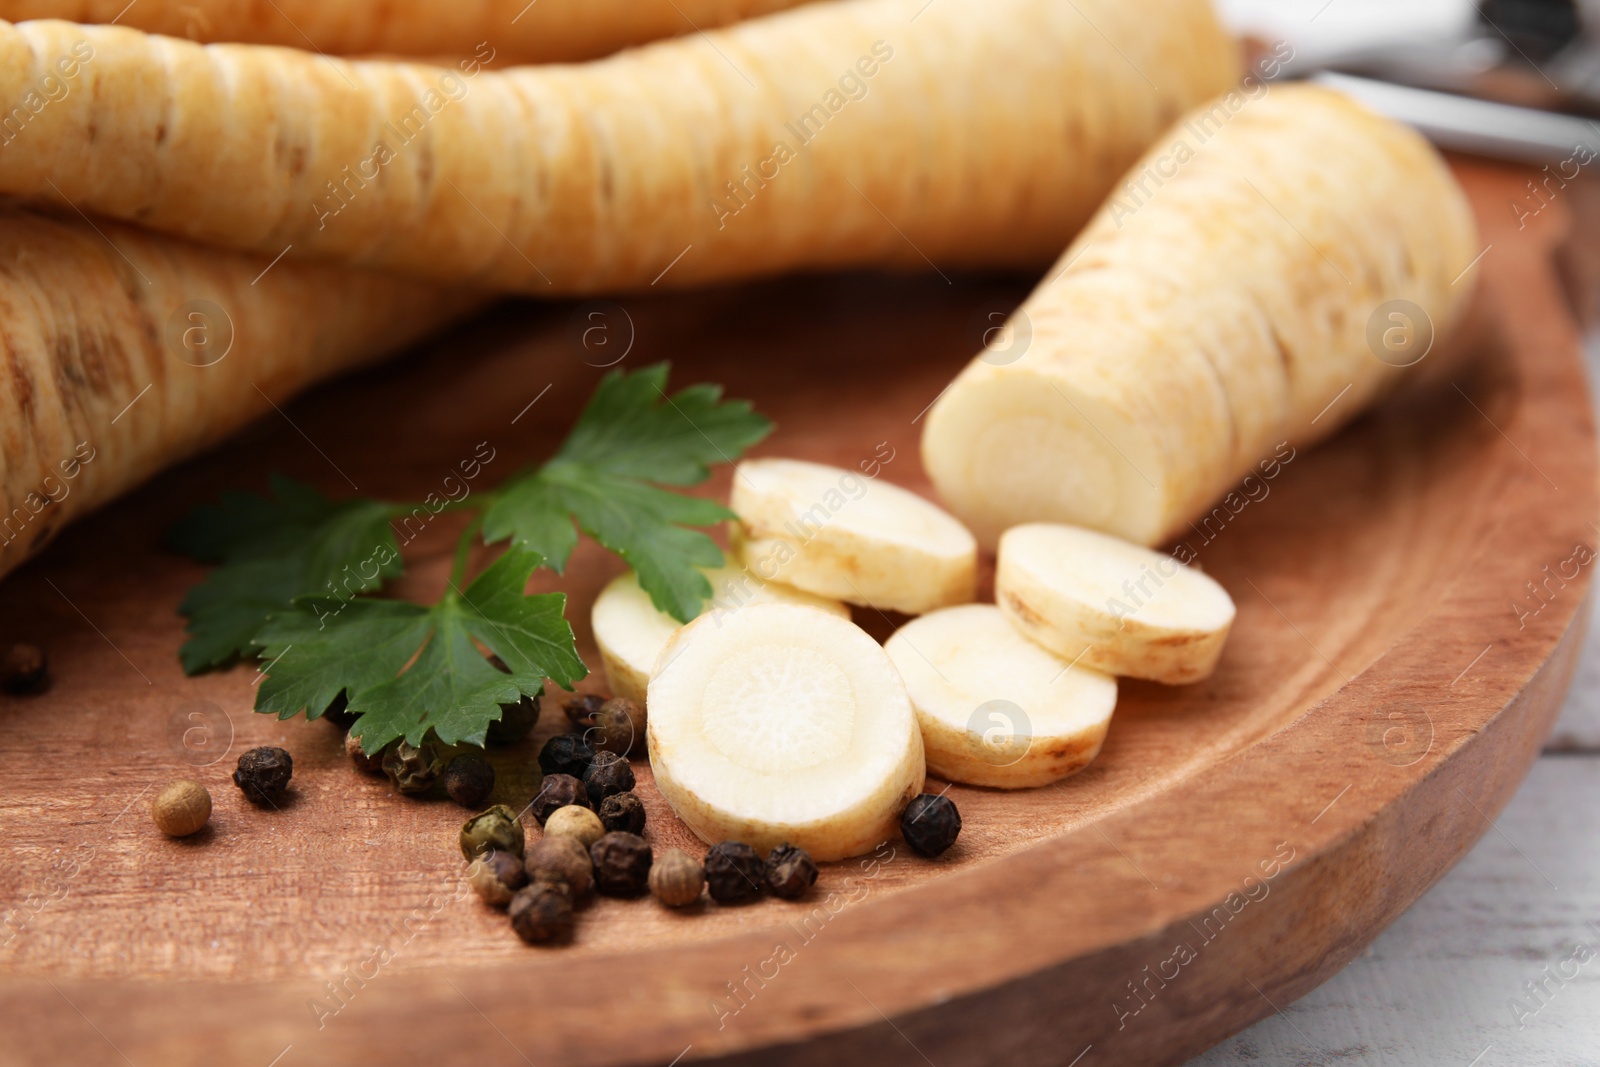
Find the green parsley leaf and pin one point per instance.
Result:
(452, 688)
(272, 551)
(632, 433)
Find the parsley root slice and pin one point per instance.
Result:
(996, 709)
(1111, 605)
(779, 723)
(452, 689)
(1241, 310)
(510, 30)
(130, 351)
(865, 541)
(867, 133)
(631, 631)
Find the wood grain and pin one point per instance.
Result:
(1375, 579)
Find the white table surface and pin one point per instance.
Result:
(1439, 987)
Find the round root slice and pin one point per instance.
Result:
(995, 708)
(1114, 606)
(836, 533)
(631, 631)
(781, 724)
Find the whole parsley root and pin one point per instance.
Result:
(981, 136)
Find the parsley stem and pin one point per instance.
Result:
(458, 573)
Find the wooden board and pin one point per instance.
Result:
(1378, 703)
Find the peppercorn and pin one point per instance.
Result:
(366, 764)
(263, 774)
(541, 913)
(413, 768)
(558, 791)
(498, 827)
(930, 823)
(23, 669)
(677, 878)
(181, 808)
(790, 872)
(338, 712)
(734, 873)
(516, 722)
(566, 754)
(608, 775)
(616, 726)
(576, 822)
(622, 811)
(581, 708)
(621, 864)
(561, 859)
(495, 876)
(469, 780)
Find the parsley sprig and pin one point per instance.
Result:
(294, 570)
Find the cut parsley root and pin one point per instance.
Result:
(837, 534)
(1194, 326)
(876, 133)
(293, 568)
(1111, 605)
(128, 351)
(995, 708)
(781, 724)
(518, 31)
(631, 631)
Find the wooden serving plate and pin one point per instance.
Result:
(1237, 842)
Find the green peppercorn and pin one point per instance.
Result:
(469, 780)
(23, 669)
(366, 764)
(557, 791)
(566, 754)
(561, 859)
(497, 828)
(263, 774)
(541, 913)
(734, 873)
(516, 722)
(621, 864)
(413, 768)
(606, 776)
(790, 872)
(622, 811)
(495, 876)
(677, 878)
(930, 823)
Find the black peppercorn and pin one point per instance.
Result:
(561, 859)
(621, 865)
(616, 726)
(542, 913)
(263, 775)
(495, 876)
(608, 775)
(516, 722)
(367, 764)
(624, 812)
(566, 754)
(338, 712)
(734, 872)
(469, 780)
(23, 669)
(557, 792)
(413, 768)
(581, 708)
(930, 823)
(790, 872)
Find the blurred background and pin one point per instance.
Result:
(1499, 964)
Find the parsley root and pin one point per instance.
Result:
(984, 133)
